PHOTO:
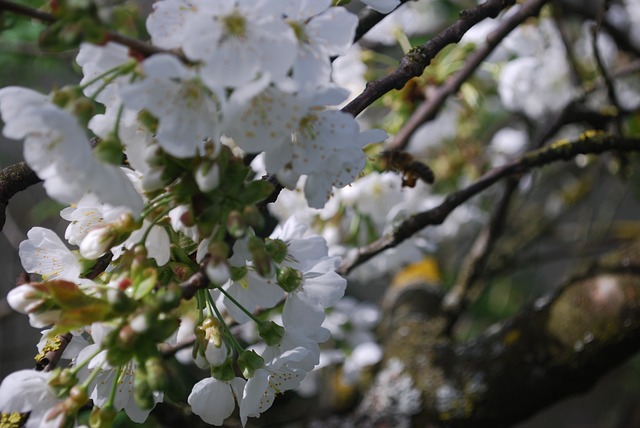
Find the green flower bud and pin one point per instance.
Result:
(261, 260)
(78, 397)
(102, 417)
(289, 278)
(109, 150)
(253, 216)
(238, 272)
(224, 372)
(271, 332)
(84, 110)
(148, 120)
(277, 249)
(249, 362)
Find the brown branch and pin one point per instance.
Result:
(369, 18)
(429, 109)
(587, 143)
(455, 302)
(146, 49)
(558, 346)
(414, 63)
(13, 179)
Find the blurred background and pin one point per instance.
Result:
(601, 209)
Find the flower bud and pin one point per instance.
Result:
(271, 332)
(261, 260)
(238, 272)
(253, 217)
(78, 397)
(207, 176)
(277, 249)
(224, 371)
(102, 417)
(26, 298)
(249, 362)
(236, 225)
(289, 278)
(109, 150)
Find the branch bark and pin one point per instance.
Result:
(429, 109)
(588, 143)
(560, 345)
(13, 179)
(414, 63)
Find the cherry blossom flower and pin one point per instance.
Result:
(27, 391)
(214, 400)
(57, 149)
(322, 32)
(45, 254)
(187, 111)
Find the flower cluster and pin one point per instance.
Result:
(162, 209)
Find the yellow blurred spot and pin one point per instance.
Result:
(512, 337)
(626, 229)
(425, 270)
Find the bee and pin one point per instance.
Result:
(411, 169)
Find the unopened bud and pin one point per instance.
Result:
(236, 225)
(249, 362)
(289, 278)
(217, 271)
(253, 217)
(261, 260)
(102, 417)
(207, 176)
(109, 150)
(271, 332)
(277, 249)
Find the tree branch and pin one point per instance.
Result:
(429, 109)
(13, 179)
(144, 48)
(369, 18)
(414, 63)
(588, 143)
(560, 345)
(455, 302)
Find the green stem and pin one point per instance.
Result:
(114, 388)
(242, 308)
(153, 223)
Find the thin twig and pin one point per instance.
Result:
(429, 109)
(587, 143)
(414, 63)
(369, 18)
(475, 263)
(147, 49)
(608, 81)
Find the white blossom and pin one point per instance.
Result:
(214, 400)
(27, 391)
